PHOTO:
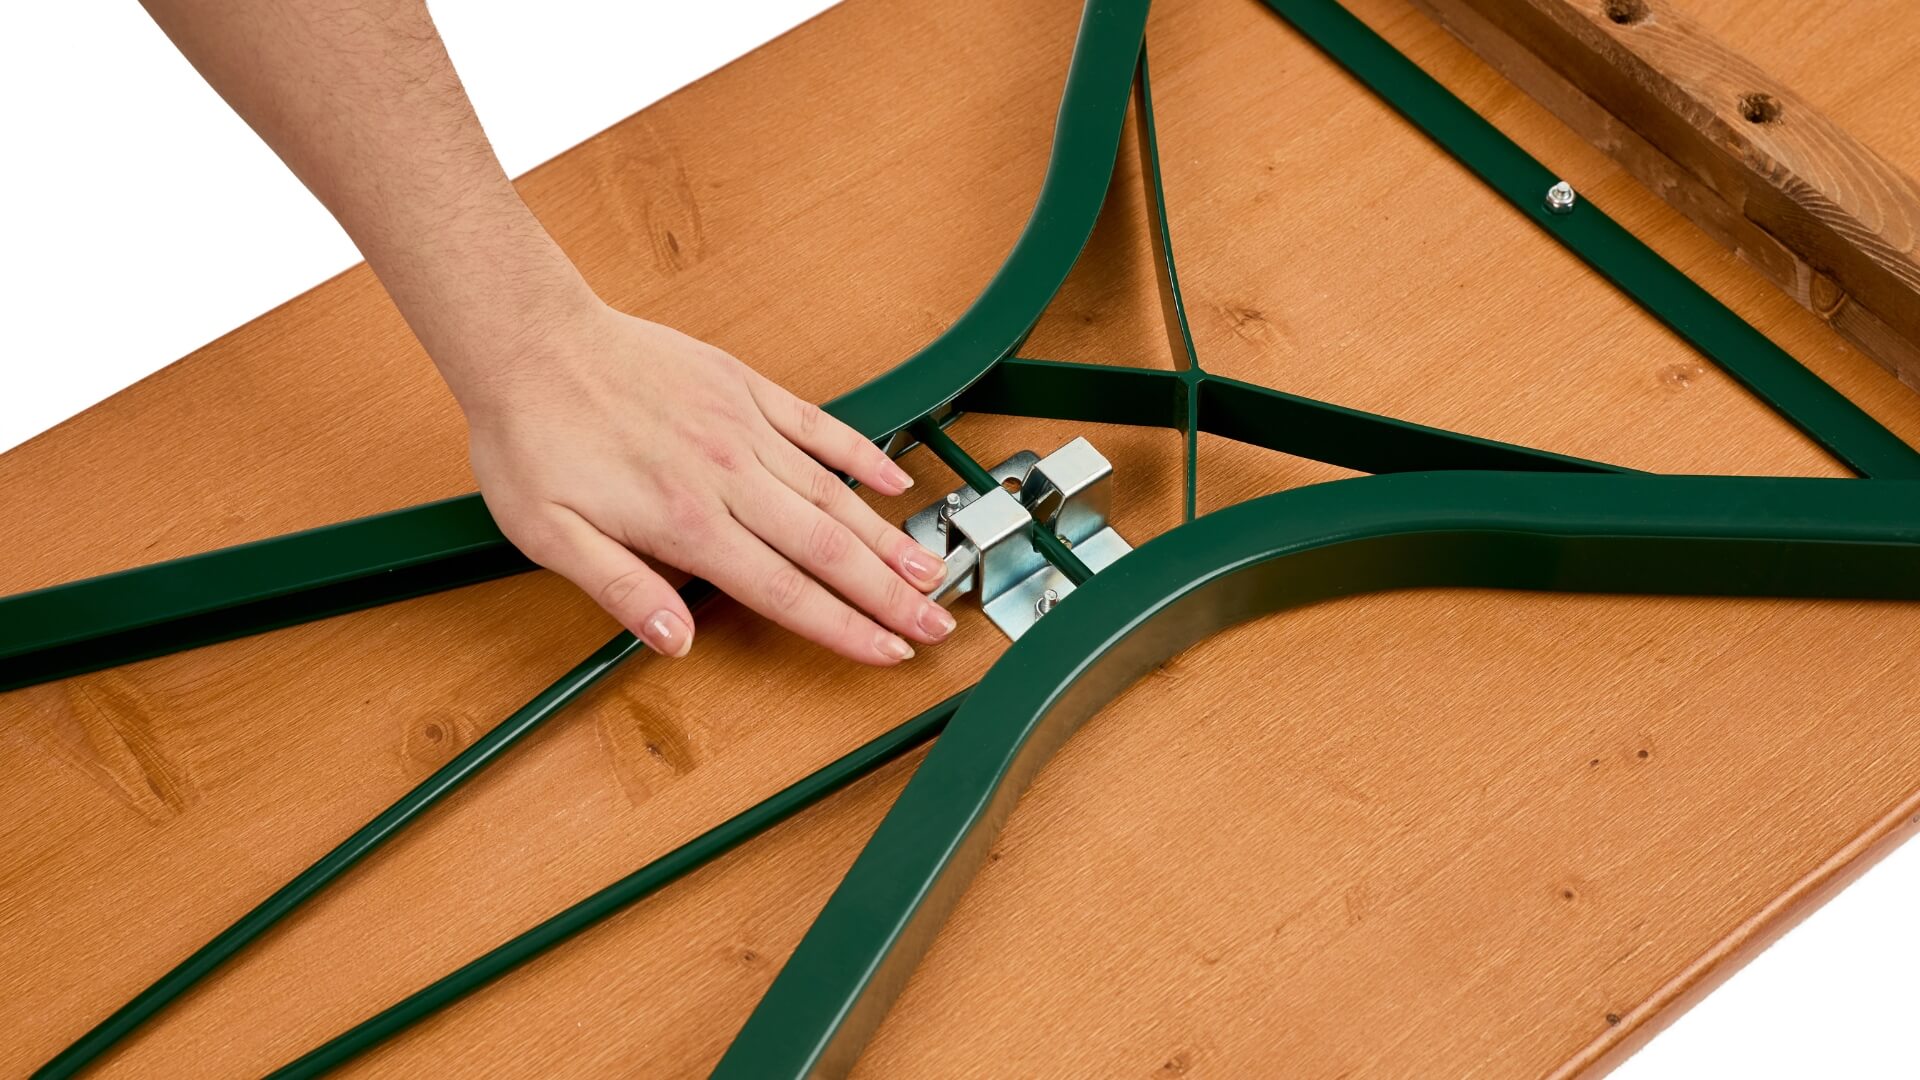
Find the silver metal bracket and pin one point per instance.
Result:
(987, 545)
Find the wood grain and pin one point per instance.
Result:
(1752, 161)
(1418, 834)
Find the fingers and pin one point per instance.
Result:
(754, 574)
(604, 569)
(822, 546)
(922, 568)
(835, 444)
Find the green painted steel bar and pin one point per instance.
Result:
(622, 894)
(1044, 541)
(444, 781)
(1820, 411)
(153, 610)
(972, 473)
(1086, 139)
(1173, 306)
(1361, 441)
(1245, 412)
(1083, 393)
(1729, 536)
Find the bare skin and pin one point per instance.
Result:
(597, 437)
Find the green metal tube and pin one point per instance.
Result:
(980, 480)
(629, 890)
(446, 780)
(154, 610)
(1685, 535)
(1173, 307)
(970, 471)
(1086, 141)
(1797, 394)
(1248, 413)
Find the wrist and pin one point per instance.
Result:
(479, 289)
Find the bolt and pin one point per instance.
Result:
(946, 511)
(1560, 198)
(1046, 602)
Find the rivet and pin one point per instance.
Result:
(1560, 198)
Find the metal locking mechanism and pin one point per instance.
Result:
(986, 542)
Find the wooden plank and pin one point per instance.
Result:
(1340, 839)
(1753, 162)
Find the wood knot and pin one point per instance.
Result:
(1571, 889)
(1626, 12)
(1178, 1064)
(1358, 902)
(1759, 108)
(110, 729)
(430, 741)
(647, 740)
(1249, 323)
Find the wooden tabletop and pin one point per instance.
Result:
(1415, 834)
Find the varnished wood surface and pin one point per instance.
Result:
(1421, 834)
(1748, 157)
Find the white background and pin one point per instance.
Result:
(144, 219)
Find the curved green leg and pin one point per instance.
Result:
(1641, 534)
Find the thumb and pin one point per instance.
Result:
(618, 581)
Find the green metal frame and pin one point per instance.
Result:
(1493, 518)
(1641, 534)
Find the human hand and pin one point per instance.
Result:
(600, 438)
(597, 437)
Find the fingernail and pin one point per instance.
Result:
(936, 622)
(924, 565)
(892, 647)
(666, 634)
(897, 476)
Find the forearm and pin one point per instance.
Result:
(596, 436)
(361, 102)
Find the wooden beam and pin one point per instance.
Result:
(1756, 166)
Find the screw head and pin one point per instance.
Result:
(1046, 602)
(1560, 198)
(947, 509)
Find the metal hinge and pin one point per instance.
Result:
(986, 542)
